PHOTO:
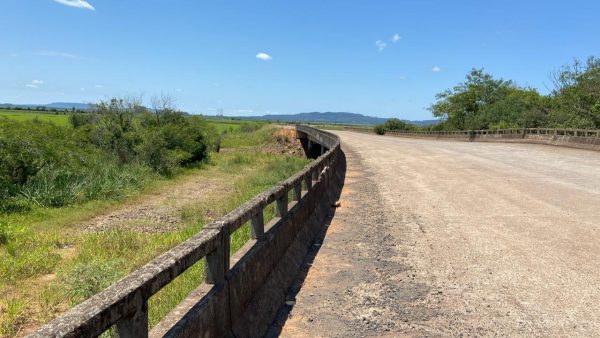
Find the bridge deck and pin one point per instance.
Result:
(446, 237)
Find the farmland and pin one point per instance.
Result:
(59, 118)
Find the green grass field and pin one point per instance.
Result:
(222, 125)
(225, 125)
(61, 118)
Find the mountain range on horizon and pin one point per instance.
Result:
(53, 105)
(331, 117)
(312, 117)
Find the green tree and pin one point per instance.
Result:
(482, 102)
(575, 100)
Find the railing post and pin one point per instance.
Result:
(257, 226)
(281, 205)
(315, 173)
(297, 193)
(217, 262)
(135, 325)
(308, 182)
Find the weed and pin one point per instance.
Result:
(14, 315)
(84, 280)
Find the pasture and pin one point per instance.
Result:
(58, 118)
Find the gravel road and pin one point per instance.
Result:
(448, 238)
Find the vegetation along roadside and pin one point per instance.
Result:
(58, 180)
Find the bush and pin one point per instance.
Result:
(117, 147)
(250, 127)
(53, 166)
(380, 129)
(77, 120)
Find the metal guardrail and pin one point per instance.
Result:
(125, 303)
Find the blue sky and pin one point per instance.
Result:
(318, 55)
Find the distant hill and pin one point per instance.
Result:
(54, 105)
(330, 118)
(69, 105)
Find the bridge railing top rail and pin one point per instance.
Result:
(125, 303)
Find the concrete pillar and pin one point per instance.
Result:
(257, 226)
(281, 205)
(308, 182)
(315, 174)
(136, 325)
(297, 192)
(217, 262)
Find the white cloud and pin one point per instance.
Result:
(99, 86)
(245, 111)
(263, 56)
(380, 45)
(76, 3)
(436, 69)
(57, 54)
(13, 55)
(35, 84)
(82, 89)
(396, 38)
(402, 77)
(179, 90)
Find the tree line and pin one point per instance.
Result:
(485, 102)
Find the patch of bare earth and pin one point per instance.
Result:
(161, 211)
(284, 143)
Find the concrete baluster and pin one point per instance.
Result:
(297, 193)
(257, 226)
(217, 262)
(134, 325)
(281, 205)
(315, 173)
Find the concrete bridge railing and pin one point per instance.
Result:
(241, 293)
(574, 138)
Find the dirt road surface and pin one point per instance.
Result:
(448, 238)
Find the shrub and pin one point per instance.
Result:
(380, 129)
(250, 127)
(77, 120)
(105, 154)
